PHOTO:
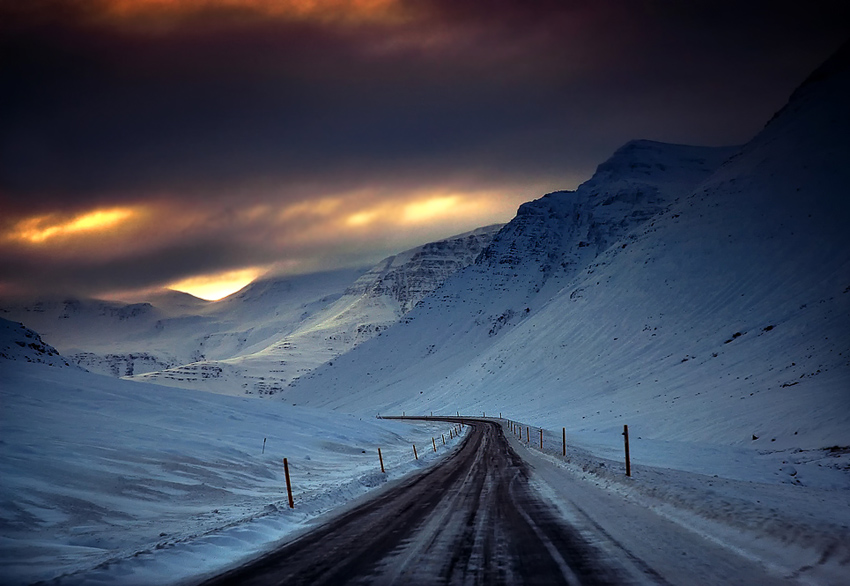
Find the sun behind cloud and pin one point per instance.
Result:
(430, 209)
(215, 286)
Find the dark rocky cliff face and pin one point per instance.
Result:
(408, 277)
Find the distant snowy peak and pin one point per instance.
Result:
(178, 303)
(563, 231)
(21, 344)
(411, 275)
(664, 168)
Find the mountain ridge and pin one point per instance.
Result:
(717, 316)
(375, 301)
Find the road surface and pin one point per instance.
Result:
(485, 515)
(472, 519)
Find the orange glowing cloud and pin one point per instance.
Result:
(215, 286)
(363, 218)
(322, 207)
(422, 210)
(352, 11)
(41, 229)
(431, 208)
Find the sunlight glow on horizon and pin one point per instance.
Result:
(429, 209)
(216, 286)
(362, 218)
(39, 229)
(155, 240)
(420, 211)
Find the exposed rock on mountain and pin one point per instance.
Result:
(19, 343)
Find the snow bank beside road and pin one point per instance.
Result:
(788, 510)
(136, 483)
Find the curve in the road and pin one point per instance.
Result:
(472, 519)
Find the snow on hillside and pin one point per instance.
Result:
(21, 344)
(173, 328)
(374, 302)
(531, 259)
(109, 481)
(694, 300)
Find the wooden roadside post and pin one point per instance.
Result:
(626, 440)
(381, 458)
(527, 435)
(264, 445)
(288, 483)
(415, 455)
(564, 435)
(434, 444)
(541, 438)
(442, 435)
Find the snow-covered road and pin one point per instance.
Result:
(471, 519)
(497, 511)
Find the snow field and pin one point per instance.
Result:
(110, 481)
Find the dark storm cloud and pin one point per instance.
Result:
(220, 110)
(100, 109)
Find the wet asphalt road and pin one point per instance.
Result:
(472, 519)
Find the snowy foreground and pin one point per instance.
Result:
(114, 482)
(110, 481)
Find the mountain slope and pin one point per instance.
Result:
(18, 343)
(377, 300)
(721, 318)
(529, 261)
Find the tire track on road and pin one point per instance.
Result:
(472, 519)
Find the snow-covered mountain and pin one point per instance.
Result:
(693, 300)
(374, 302)
(20, 344)
(173, 328)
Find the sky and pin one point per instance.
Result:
(200, 144)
